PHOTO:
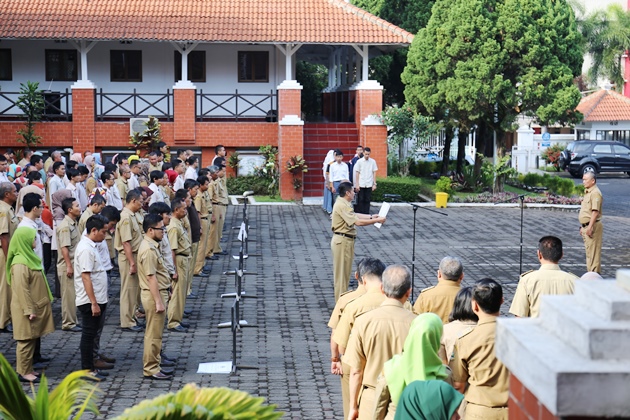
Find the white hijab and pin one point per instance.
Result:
(330, 157)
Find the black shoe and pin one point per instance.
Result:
(102, 372)
(40, 365)
(159, 376)
(193, 296)
(167, 363)
(106, 358)
(185, 325)
(94, 376)
(166, 371)
(178, 329)
(7, 329)
(42, 359)
(214, 258)
(135, 328)
(222, 253)
(203, 274)
(188, 311)
(23, 379)
(76, 328)
(164, 356)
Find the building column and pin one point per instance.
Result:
(184, 113)
(372, 132)
(290, 135)
(83, 116)
(571, 362)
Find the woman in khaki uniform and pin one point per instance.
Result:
(31, 311)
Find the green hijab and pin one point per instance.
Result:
(419, 360)
(428, 400)
(21, 252)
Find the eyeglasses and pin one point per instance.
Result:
(157, 228)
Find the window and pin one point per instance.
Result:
(621, 150)
(196, 66)
(6, 71)
(125, 65)
(602, 148)
(253, 66)
(61, 65)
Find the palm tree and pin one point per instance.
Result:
(607, 35)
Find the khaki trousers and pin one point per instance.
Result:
(215, 230)
(367, 399)
(343, 255)
(593, 248)
(191, 271)
(200, 261)
(474, 411)
(68, 298)
(345, 389)
(129, 290)
(24, 353)
(180, 287)
(153, 332)
(5, 294)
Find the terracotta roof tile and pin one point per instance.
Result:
(260, 21)
(605, 105)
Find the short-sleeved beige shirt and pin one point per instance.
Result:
(592, 201)
(451, 332)
(83, 219)
(8, 220)
(548, 280)
(376, 337)
(220, 194)
(438, 299)
(203, 204)
(128, 230)
(474, 361)
(151, 262)
(123, 187)
(68, 236)
(343, 217)
(344, 299)
(370, 300)
(178, 237)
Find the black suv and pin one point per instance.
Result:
(595, 156)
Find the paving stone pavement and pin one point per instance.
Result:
(290, 346)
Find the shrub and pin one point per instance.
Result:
(238, 185)
(555, 184)
(407, 187)
(532, 180)
(552, 155)
(423, 169)
(444, 184)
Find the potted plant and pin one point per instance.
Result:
(148, 140)
(31, 102)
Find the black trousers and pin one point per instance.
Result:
(364, 200)
(90, 327)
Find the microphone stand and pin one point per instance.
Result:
(522, 198)
(398, 198)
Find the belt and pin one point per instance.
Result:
(219, 204)
(586, 224)
(182, 255)
(203, 217)
(345, 235)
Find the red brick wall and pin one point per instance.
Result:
(184, 116)
(291, 140)
(375, 137)
(289, 103)
(368, 102)
(83, 125)
(53, 134)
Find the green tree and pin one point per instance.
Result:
(313, 78)
(31, 103)
(607, 35)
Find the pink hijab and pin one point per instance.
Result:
(77, 157)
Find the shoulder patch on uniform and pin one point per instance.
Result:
(527, 272)
(466, 331)
(427, 289)
(346, 292)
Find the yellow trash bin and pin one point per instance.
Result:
(440, 199)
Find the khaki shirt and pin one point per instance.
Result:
(376, 337)
(203, 204)
(158, 167)
(30, 296)
(438, 299)
(548, 280)
(220, 194)
(592, 201)
(451, 332)
(178, 237)
(68, 236)
(123, 188)
(344, 299)
(474, 361)
(343, 217)
(128, 230)
(370, 300)
(8, 220)
(83, 220)
(150, 262)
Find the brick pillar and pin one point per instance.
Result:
(83, 115)
(290, 135)
(184, 113)
(372, 133)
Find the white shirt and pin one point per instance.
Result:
(39, 249)
(338, 172)
(87, 259)
(113, 198)
(4, 177)
(364, 170)
(103, 251)
(191, 173)
(179, 183)
(82, 194)
(74, 190)
(133, 181)
(157, 196)
(55, 184)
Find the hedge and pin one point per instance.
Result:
(407, 187)
(238, 185)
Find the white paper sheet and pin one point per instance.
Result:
(383, 213)
(215, 367)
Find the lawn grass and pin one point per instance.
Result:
(268, 199)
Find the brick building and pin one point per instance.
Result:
(212, 72)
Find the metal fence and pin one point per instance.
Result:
(235, 106)
(57, 105)
(134, 105)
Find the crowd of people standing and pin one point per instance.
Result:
(154, 223)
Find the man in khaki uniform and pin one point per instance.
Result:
(8, 224)
(122, 182)
(439, 299)
(127, 241)
(203, 204)
(474, 361)
(367, 267)
(154, 283)
(590, 218)
(376, 337)
(68, 236)
(96, 206)
(181, 246)
(344, 222)
(212, 233)
(548, 280)
(219, 209)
